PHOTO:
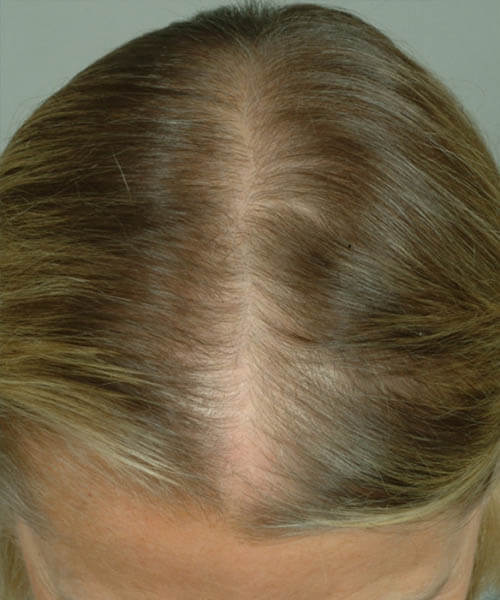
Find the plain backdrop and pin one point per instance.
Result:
(43, 43)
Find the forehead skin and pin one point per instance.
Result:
(129, 553)
(110, 545)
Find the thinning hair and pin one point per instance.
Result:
(263, 233)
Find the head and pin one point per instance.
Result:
(249, 320)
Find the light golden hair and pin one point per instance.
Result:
(265, 225)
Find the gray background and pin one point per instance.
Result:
(43, 43)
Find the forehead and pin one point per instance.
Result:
(126, 550)
(113, 545)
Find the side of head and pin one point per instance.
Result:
(249, 264)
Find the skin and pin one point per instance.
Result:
(109, 544)
(140, 556)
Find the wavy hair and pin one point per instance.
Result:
(263, 231)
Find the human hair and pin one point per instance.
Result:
(263, 232)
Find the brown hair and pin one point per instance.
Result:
(269, 226)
